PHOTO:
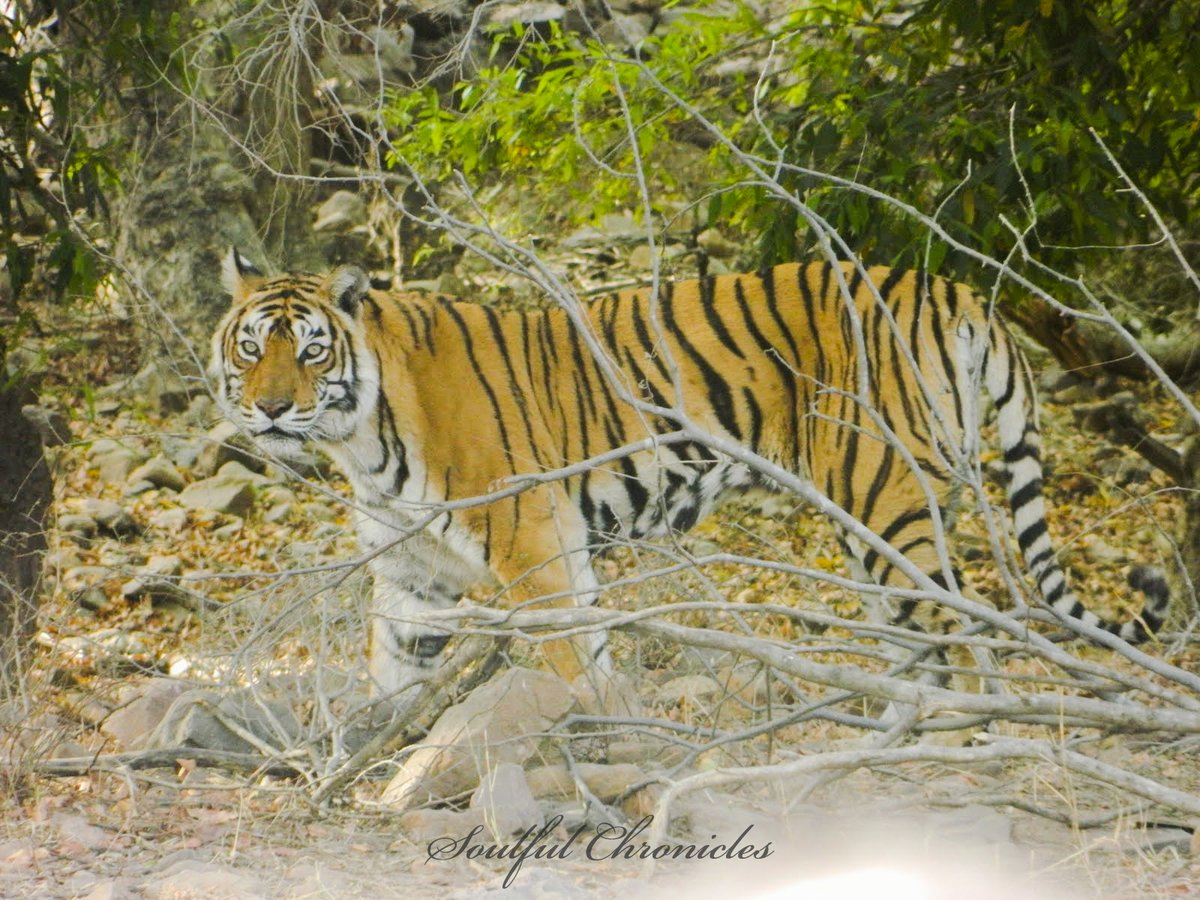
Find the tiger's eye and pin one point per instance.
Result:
(249, 349)
(312, 353)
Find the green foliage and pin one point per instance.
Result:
(62, 85)
(975, 108)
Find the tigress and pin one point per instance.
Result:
(425, 402)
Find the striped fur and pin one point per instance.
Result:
(421, 400)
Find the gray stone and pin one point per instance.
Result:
(110, 516)
(230, 531)
(424, 825)
(160, 472)
(77, 524)
(115, 460)
(712, 242)
(497, 723)
(171, 520)
(343, 211)
(691, 689)
(156, 578)
(219, 494)
(626, 30)
(233, 721)
(235, 470)
(278, 512)
(318, 511)
(184, 452)
(507, 804)
(222, 444)
(165, 387)
(139, 487)
(505, 15)
(143, 706)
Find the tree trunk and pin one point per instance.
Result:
(25, 495)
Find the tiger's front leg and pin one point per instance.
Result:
(405, 649)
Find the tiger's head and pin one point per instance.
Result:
(289, 363)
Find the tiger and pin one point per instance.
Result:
(425, 402)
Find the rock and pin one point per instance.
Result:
(694, 690)
(318, 511)
(611, 695)
(642, 256)
(200, 411)
(110, 516)
(278, 512)
(496, 723)
(1099, 552)
(506, 803)
(77, 524)
(276, 494)
(219, 494)
(143, 706)
(160, 472)
(422, 826)
(159, 570)
(192, 879)
(606, 781)
(235, 470)
(156, 383)
(712, 242)
(100, 645)
(51, 425)
(222, 444)
(77, 830)
(184, 451)
(1125, 472)
(208, 719)
(230, 531)
(114, 460)
(626, 30)
(343, 211)
(747, 680)
(614, 228)
(171, 520)
(505, 15)
(137, 488)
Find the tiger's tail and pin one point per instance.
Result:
(1010, 385)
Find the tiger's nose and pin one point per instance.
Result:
(273, 407)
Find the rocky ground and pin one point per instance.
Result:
(201, 599)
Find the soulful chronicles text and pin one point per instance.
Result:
(619, 842)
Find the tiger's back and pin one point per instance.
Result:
(874, 403)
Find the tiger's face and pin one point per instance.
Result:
(288, 360)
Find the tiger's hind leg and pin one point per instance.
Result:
(912, 534)
(545, 563)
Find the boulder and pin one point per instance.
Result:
(160, 472)
(219, 494)
(497, 723)
(506, 802)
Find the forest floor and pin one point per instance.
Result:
(175, 559)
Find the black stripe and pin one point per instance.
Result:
(518, 392)
(1027, 493)
(1020, 451)
(497, 413)
(1031, 534)
(707, 288)
(718, 389)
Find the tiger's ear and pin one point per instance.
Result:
(347, 287)
(236, 274)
